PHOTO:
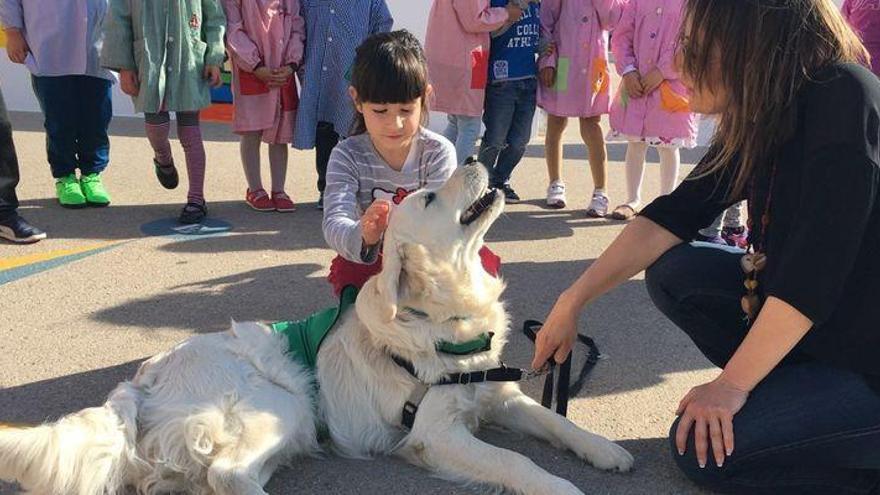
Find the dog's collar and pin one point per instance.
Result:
(480, 343)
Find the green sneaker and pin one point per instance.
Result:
(69, 193)
(93, 189)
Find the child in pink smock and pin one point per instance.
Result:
(457, 49)
(864, 17)
(651, 107)
(575, 83)
(265, 44)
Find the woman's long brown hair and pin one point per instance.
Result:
(767, 51)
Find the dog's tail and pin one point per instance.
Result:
(90, 452)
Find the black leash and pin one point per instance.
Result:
(564, 389)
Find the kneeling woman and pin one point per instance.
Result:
(795, 325)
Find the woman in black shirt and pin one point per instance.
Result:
(795, 325)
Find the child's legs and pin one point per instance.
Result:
(553, 146)
(450, 132)
(250, 159)
(58, 100)
(498, 116)
(190, 134)
(95, 112)
(733, 216)
(8, 166)
(520, 131)
(278, 166)
(591, 133)
(157, 126)
(468, 132)
(670, 163)
(635, 171)
(326, 139)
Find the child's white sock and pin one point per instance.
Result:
(635, 172)
(670, 162)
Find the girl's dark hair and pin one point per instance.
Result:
(390, 68)
(767, 50)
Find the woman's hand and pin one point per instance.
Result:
(128, 81)
(212, 74)
(548, 76)
(652, 81)
(558, 334)
(16, 46)
(709, 409)
(375, 221)
(632, 82)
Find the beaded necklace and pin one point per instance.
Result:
(755, 259)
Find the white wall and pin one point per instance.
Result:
(15, 79)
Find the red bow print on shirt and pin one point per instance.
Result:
(396, 197)
(400, 195)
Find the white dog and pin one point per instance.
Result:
(220, 412)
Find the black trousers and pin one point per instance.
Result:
(326, 138)
(8, 166)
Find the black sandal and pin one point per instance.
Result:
(193, 213)
(167, 174)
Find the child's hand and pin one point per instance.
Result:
(280, 76)
(263, 73)
(548, 76)
(375, 221)
(633, 84)
(128, 80)
(513, 12)
(652, 81)
(212, 73)
(16, 46)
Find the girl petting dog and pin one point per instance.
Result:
(389, 155)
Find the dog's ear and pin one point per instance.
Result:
(389, 278)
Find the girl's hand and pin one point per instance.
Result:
(548, 76)
(375, 221)
(558, 334)
(212, 73)
(632, 82)
(280, 76)
(652, 81)
(128, 81)
(263, 73)
(710, 408)
(16, 46)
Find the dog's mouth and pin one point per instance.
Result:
(480, 206)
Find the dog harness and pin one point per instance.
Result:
(305, 337)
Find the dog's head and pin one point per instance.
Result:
(431, 247)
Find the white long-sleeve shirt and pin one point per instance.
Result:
(357, 175)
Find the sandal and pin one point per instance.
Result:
(193, 213)
(167, 174)
(624, 213)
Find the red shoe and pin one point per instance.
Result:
(283, 203)
(259, 200)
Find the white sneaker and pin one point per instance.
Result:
(598, 206)
(556, 194)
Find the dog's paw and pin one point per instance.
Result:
(606, 455)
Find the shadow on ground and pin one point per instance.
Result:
(616, 152)
(125, 127)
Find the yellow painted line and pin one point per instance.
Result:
(30, 259)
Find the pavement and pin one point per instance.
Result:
(113, 286)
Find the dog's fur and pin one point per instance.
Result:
(220, 412)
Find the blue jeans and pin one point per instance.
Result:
(8, 166)
(77, 112)
(510, 108)
(463, 131)
(807, 428)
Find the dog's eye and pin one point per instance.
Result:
(429, 198)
